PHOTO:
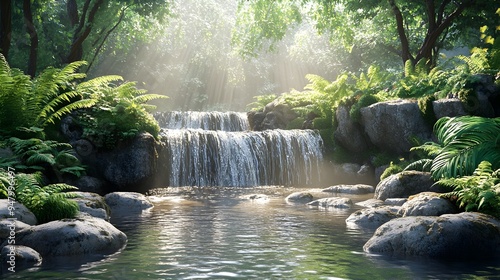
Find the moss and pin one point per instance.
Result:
(327, 136)
(322, 123)
(296, 123)
(427, 110)
(364, 101)
(392, 169)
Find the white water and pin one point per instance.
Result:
(196, 156)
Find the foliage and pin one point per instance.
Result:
(48, 203)
(261, 102)
(390, 170)
(462, 143)
(51, 157)
(477, 192)
(426, 108)
(119, 113)
(39, 102)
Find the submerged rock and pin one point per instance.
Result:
(126, 203)
(21, 213)
(350, 189)
(79, 236)
(332, 202)
(255, 197)
(299, 197)
(467, 235)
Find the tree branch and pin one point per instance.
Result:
(405, 46)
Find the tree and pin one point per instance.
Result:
(413, 30)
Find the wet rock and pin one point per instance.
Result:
(451, 107)
(91, 184)
(332, 202)
(87, 235)
(467, 236)
(299, 198)
(10, 226)
(350, 189)
(427, 204)
(371, 203)
(255, 197)
(404, 184)
(127, 203)
(20, 212)
(92, 204)
(372, 218)
(22, 257)
(395, 201)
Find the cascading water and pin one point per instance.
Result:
(212, 149)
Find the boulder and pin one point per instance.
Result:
(372, 218)
(350, 189)
(370, 203)
(92, 204)
(349, 134)
(299, 198)
(20, 212)
(79, 236)
(127, 203)
(427, 204)
(91, 184)
(8, 227)
(450, 107)
(395, 201)
(18, 257)
(391, 125)
(404, 184)
(131, 166)
(332, 202)
(467, 236)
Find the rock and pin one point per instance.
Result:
(332, 202)
(73, 237)
(91, 184)
(467, 236)
(427, 204)
(372, 218)
(350, 189)
(131, 166)
(391, 125)
(22, 257)
(299, 197)
(350, 168)
(92, 204)
(20, 211)
(8, 227)
(349, 134)
(451, 107)
(395, 201)
(403, 184)
(127, 203)
(255, 197)
(371, 203)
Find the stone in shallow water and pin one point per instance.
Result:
(371, 203)
(23, 257)
(79, 236)
(371, 218)
(299, 197)
(21, 213)
(332, 202)
(350, 189)
(255, 197)
(468, 236)
(126, 203)
(427, 204)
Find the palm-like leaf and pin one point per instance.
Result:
(466, 141)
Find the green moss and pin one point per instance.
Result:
(426, 109)
(364, 101)
(322, 123)
(296, 123)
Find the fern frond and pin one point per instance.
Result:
(80, 104)
(148, 97)
(420, 165)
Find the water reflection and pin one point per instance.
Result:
(207, 235)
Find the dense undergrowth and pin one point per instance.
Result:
(36, 160)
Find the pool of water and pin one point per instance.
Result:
(211, 233)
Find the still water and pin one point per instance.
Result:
(194, 233)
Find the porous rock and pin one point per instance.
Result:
(332, 202)
(372, 218)
(427, 204)
(350, 189)
(403, 184)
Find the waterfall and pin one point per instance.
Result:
(197, 156)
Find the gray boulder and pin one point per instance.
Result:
(18, 257)
(332, 202)
(467, 235)
(65, 237)
(92, 204)
(371, 203)
(427, 204)
(390, 125)
(127, 203)
(371, 218)
(350, 189)
(349, 134)
(403, 184)
(299, 198)
(451, 107)
(20, 212)
(8, 227)
(395, 201)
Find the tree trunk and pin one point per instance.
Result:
(83, 31)
(405, 46)
(28, 19)
(5, 26)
